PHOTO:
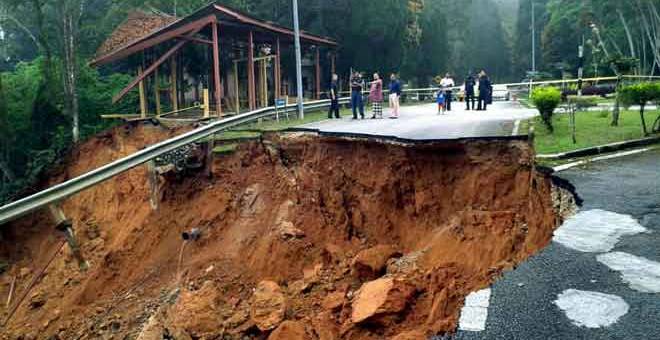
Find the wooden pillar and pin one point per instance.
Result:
(278, 71)
(207, 103)
(318, 73)
(157, 92)
(238, 89)
(263, 83)
(173, 81)
(143, 96)
(333, 61)
(216, 68)
(250, 69)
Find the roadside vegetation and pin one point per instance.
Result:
(592, 129)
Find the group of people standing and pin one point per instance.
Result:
(485, 97)
(444, 96)
(375, 96)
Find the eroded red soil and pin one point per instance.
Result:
(303, 237)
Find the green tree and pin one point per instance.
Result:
(640, 94)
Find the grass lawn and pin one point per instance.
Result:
(592, 129)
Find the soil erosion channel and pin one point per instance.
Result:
(301, 237)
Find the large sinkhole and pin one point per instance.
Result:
(301, 237)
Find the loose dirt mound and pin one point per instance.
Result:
(302, 237)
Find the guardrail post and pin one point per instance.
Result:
(208, 160)
(66, 226)
(153, 184)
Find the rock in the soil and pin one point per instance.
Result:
(268, 305)
(410, 335)
(37, 299)
(325, 328)
(239, 318)
(197, 312)
(334, 301)
(382, 297)
(287, 230)
(311, 276)
(370, 263)
(289, 330)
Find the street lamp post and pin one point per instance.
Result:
(296, 28)
(533, 37)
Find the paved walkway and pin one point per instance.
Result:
(600, 277)
(423, 122)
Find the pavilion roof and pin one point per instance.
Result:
(138, 25)
(142, 31)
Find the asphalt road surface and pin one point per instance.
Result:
(423, 122)
(522, 304)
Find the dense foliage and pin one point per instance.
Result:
(50, 98)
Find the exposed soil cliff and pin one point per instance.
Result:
(302, 237)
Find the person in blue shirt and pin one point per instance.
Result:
(441, 100)
(395, 95)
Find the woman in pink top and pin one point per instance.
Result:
(376, 97)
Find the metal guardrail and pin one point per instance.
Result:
(525, 84)
(66, 189)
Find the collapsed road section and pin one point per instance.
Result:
(296, 236)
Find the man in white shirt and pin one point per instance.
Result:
(447, 83)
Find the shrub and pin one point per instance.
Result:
(583, 103)
(546, 100)
(640, 94)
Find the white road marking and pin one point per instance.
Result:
(641, 274)
(591, 309)
(596, 231)
(516, 127)
(475, 311)
(567, 166)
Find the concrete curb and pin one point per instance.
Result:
(567, 166)
(601, 149)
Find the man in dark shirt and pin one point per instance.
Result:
(334, 98)
(485, 89)
(356, 95)
(469, 92)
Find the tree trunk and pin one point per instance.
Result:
(631, 44)
(641, 115)
(70, 16)
(6, 171)
(617, 103)
(44, 44)
(656, 125)
(5, 137)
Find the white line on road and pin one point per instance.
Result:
(596, 231)
(516, 127)
(591, 309)
(475, 311)
(641, 274)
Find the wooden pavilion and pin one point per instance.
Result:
(214, 50)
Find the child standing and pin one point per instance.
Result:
(440, 98)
